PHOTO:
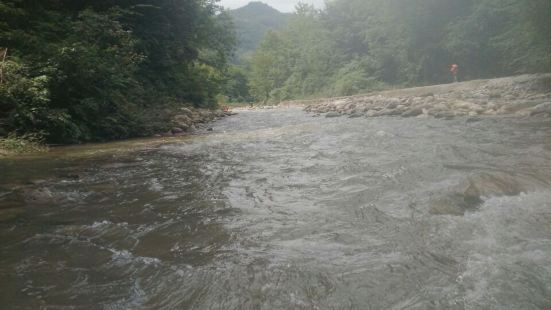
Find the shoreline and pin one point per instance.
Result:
(522, 96)
(184, 122)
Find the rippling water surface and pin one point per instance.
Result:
(278, 210)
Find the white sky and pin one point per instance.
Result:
(280, 5)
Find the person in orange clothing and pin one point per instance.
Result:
(454, 68)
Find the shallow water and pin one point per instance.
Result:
(279, 210)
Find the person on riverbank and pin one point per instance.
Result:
(454, 68)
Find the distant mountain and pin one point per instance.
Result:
(252, 22)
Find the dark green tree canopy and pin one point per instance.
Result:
(89, 70)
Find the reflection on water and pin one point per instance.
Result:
(277, 210)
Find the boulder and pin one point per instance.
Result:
(392, 105)
(371, 113)
(415, 111)
(176, 130)
(186, 111)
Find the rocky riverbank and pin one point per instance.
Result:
(524, 96)
(188, 120)
(183, 121)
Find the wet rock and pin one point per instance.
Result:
(186, 111)
(452, 205)
(412, 112)
(513, 107)
(495, 184)
(390, 112)
(332, 114)
(181, 118)
(392, 105)
(371, 113)
(38, 196)
(473, 119)
(176, 130)
(444, 114)
(469, 195)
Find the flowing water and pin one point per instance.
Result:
(279, 210)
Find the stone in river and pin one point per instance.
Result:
(413, 112)
(333, 114)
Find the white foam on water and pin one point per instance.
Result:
(155, 185)
(100, 224)
(126, 257)
(509, 253)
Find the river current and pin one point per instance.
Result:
(279, 210)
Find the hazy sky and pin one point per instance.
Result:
(281, 5)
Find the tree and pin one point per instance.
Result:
(99, 69)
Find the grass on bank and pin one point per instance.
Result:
(13, 144)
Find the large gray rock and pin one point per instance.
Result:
(371, 113)
(182, 120)
(413, 112)
(186, 111)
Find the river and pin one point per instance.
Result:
(279, 210)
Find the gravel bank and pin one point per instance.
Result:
(524, 96)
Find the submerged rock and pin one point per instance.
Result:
(332, 114)
(469, 195)
(412, 112)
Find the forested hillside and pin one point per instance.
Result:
(252, 22)
(356, 45)
(96, 70)
(77, 71)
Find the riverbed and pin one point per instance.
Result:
(276, 209)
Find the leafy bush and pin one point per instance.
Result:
(29, 143)
(97, 70)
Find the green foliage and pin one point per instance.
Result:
(237, 85)
(95, 70)
(29, 143)
(357, 46)
(252, 23)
